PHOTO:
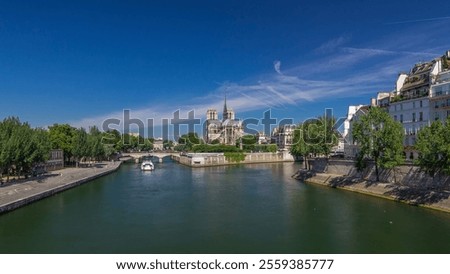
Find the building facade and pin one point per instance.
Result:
(355, 113)
(440, 96)
(227, 132)
(55, 161)
(283, 136)
(419, 98)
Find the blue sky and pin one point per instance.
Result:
(82, 62)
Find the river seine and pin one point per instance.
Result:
(255, 208)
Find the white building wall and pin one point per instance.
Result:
(440, 98)
(400, 81)
(413, 114)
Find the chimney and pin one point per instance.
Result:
(373, 102)
(448, 54)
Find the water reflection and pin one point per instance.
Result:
(254, 208)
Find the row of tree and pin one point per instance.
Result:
(380, 139)
(79, 144)
(248, 143)
(21, 147)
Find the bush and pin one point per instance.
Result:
(234, 157)
(214, 148)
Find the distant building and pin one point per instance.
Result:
(440, 96)
(55, 161)
(158, 144)
(355, 113)
(283, 136)
(134, 134)
(228, 131)
(262, 139)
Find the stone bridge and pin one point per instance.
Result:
(139, 155)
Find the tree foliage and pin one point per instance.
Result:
(187, 142)
(433, 144)
(214, 148)
(314, 137)
(380, 139)
(61, 136)
(21, 147)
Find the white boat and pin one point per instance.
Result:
(147, 165)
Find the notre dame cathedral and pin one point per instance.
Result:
(228, 131)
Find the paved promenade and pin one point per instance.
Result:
(17, 194)
(429, 198)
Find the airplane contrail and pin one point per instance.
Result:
(419, 20)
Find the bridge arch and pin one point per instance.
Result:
(137, 156)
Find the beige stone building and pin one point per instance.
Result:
(228, 131)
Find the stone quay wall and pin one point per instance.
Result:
(406, 174)
(219, 159)
(15, 195)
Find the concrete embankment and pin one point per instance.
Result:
(17, 194)
(219, 159)
(405, 184)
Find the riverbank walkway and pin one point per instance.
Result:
(16, 194)
(429, 198)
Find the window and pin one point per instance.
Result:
(401, 118)
(401, 106)
(436, 116)
(421, 104)
(414, 117)
(414, 104)
(395, 117)
(421, 116)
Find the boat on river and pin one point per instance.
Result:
(147, 166)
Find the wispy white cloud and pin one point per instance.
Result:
(277, 66)
(419, 20)
(332, 44)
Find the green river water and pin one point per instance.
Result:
(255, 208)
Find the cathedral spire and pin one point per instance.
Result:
(225, 108)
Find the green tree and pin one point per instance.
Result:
(96, 149)
(314, 137)
(215, 142)
(6, 151)
(380, 139)
(80, 147)
(112, 141)
(433, 145)
(41, 146)
(21, 147)
(61, 138)
(187, 141)
(145, 144)
(168, 144)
